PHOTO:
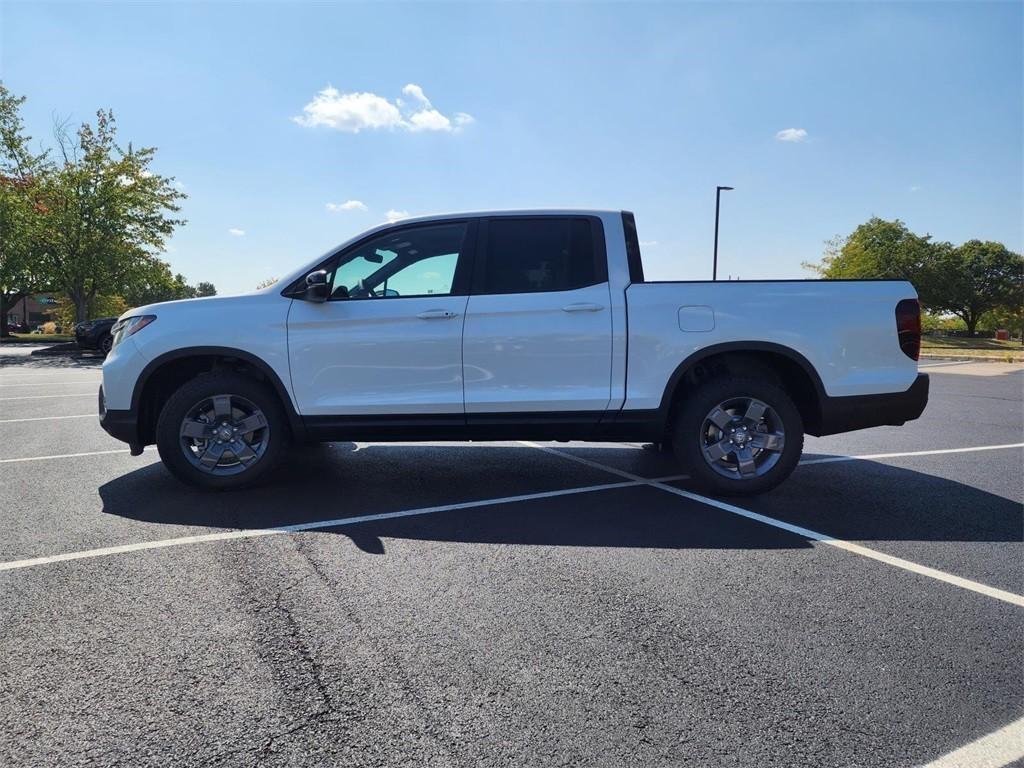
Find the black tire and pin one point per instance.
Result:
(105, 344)
(183, 402)
(689, 435)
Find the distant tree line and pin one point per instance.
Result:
(85, 219)
(979, 282)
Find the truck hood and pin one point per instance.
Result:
(204, 303)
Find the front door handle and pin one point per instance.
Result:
(582, 307)
(437, 314)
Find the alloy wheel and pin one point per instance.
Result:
(224, 434)
(742, 438)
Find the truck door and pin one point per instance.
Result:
(538, 331)
(389, 339)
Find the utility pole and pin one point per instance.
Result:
(718, 204)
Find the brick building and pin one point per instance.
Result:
(33, 310)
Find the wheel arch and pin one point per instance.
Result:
(792, 370)
(164, 373)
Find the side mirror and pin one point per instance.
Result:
(317, 289)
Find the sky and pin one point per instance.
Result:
(295, 126)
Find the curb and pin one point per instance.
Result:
(1018, 357)
(66, 348)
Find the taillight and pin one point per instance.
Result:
(908, 327)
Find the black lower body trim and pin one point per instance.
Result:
(563, 425)
(558, 425)
(845, 414)
(122, 425)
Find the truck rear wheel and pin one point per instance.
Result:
(738, 436)
(222, 430)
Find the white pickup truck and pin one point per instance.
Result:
(512, 325)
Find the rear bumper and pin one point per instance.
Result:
(122, 425)
(845, 414)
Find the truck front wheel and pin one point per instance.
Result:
(738, 436)
(222, 430)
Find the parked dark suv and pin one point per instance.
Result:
(95, 334)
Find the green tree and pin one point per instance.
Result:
(975, 278)
(152, 283)
(204, 288)
(1010, 318)
(108, 213)
(156, 283)
(100, 306)
(22, 268)
(883, 249)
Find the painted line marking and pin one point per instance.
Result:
(28, 381)
(949, 362)
(48, 397)
(997, 749)
(64, 456)
(51, 418)
(14, 565)
(870, 456)
(857, 549)
(52, 384)
(47, 373)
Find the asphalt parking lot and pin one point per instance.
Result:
(511, 604)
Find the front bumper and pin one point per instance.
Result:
(122, 425)
(845, 414)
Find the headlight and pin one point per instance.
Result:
(130, 325)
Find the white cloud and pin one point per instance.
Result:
(791, 134)
(417, 93)
(429, 120)
(179, 185)
(645, 243)
(348, 205)
(355, 112)
(393, 215)
(236, 232)
(915, 188)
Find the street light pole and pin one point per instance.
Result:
(718, 203)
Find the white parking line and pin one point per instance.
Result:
(948, 362)
(47, 397)
(869, 456)
(857, 549)
(30, 385)
(63, 456)
(298, 527)
(997, 749)
(9, 378)
(50, 418)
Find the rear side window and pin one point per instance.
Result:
(531, 255)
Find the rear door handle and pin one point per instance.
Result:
(437, 314)
(582, 307)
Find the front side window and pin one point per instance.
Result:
(415, 261)
(532, 255)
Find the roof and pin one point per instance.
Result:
(507, 212)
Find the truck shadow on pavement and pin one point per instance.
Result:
(856, 500)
